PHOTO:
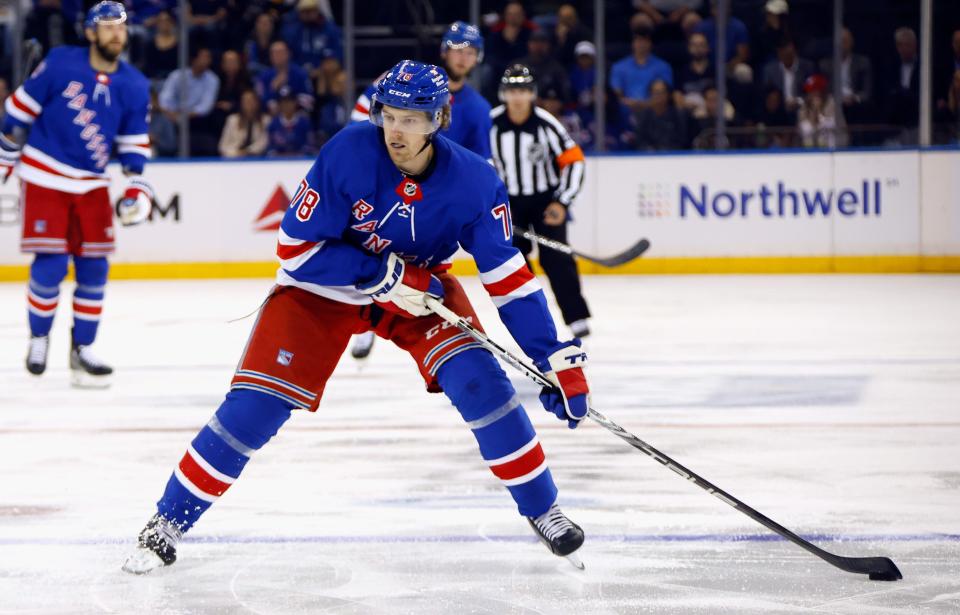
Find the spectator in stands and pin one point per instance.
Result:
(568, 33)
(290, 132)
(234, 81)
(945, 85)
(53, 24)
(583, 75)
(257, 47)
(193, 91)
(694, 76)
(819, 121)
(631, 77)
(775, 125)
(950, 113)
(207, 20)
(690, 23)
(788, 72)
(903, 95)
(146, 12)
(313, 38)
(737, 38)
(661, 125)
(331, 112)
(245, 132)
(856, 79)
(508, 38)
(667, 12)
(160, 56)
(283, 72)
(776, 27)
(619, 135)
(4, 93)
(705, 117)
(550, 74)
(163, 132)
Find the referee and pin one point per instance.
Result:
(543, 170)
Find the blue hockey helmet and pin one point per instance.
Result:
(105, 12)
(461, 35)
(413, 86)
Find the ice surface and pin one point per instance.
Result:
(831, 404)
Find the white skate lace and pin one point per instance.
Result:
(168, 531)
(553, 524)
(38, 349)
(86, 356)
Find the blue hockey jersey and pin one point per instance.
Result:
(354, 207)
(469, 119)
(75, 115)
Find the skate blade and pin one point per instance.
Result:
(82, 380)
(575, 561)
(142, 561)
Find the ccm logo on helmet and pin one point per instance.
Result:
(399, 93)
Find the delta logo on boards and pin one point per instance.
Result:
(767, 200)
(269, 218)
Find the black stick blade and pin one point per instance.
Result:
(877, 568)
(620, 259)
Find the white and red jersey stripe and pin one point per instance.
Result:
(87, 309)
(200, 478)
(520, 466)
(89, 248)
(22, 106)
(510, 280)
(46, 245)
(361, 110)
(134, 144)
(43, 170)
(44, 307)
(293, 252)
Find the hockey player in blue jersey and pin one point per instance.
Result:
(461, 50)
(365, 240)
(60, 129)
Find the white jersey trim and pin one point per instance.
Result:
(343, 294)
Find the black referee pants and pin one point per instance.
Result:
(561, 269)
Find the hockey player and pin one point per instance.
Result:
(542, 168)
(60, 128)
(364, 242)
(461, 49)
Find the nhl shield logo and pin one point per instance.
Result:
(410, 189)
(284, 357)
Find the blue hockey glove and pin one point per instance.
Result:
(402, 288)
(570, 397)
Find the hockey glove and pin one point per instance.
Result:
(9, 156)
(570, 398)
(402, 288)
(137, 201)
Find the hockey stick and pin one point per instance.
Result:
(878, 568)
(611, 261)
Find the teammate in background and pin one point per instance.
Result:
(461, 49)
(60, 128)
(356, 256)
(543, 170)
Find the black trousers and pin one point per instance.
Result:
(561, 269)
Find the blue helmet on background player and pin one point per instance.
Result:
(461, 35)
(105, 12)
(413, 86)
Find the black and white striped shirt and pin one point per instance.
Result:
(537, 157)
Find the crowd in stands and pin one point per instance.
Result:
(265, 77)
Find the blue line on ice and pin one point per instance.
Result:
(611, 538)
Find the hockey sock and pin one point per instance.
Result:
(88, 297)
(43, 293)
(480, 390)
(245, 421)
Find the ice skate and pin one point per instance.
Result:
(561, 535)
(86, 370)
(362, 345)
(580, 328)
(37, 354)
(156, 546)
